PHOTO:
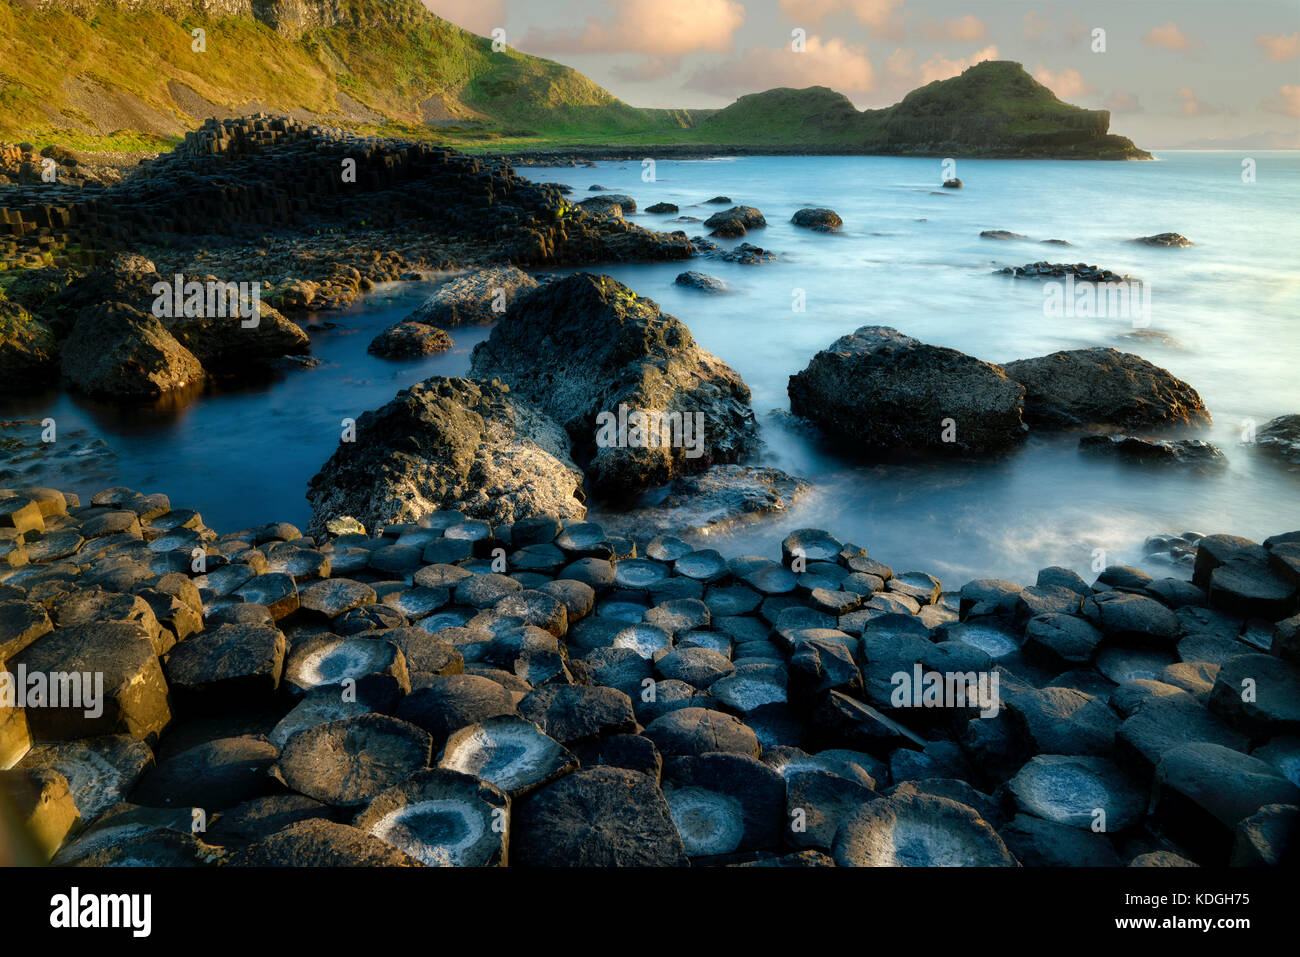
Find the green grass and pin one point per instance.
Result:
(394, 58)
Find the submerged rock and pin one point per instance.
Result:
(591, 353)
(449, 444)
(1104, 387)
(722, 498)
(1280, 438)
(1184, 453)
(883, 391)
(818, 219)
(701, 281)
(1164, 239)
(404, 340)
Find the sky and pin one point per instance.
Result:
(1173, 73)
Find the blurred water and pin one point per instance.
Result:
(909, 256)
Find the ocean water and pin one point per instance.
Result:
(1224, 316)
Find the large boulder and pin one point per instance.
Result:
(592, 354)
(1280, 438)
(881, 390)
(229, 343)
(449, 444)
(29, 354)
(474, 299)
(1100, 386)
(118, 352)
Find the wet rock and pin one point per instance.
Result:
(331, 660)
(508, 752)
(570, 713)
(348, 762)
(1280, 439)
(1202, 791)
(442, 819)
(1259, 694)
(321, 843)
(214, 775)
(116, 351)
(701, 281)
(41, 805)
(661, 208)
(600, 817)
(445, 704)
(1122, 615)
(617, 354)
(134, 694)
(227, 664)
(724, 803)
(1002, 234)
(694, 730)
(1191, 454)
(1164, 239)
(881, 390)
(470, 299)
(1039, 843)
(1103, 387)
(1074, 789)
(449, 444)
(404, 340)
(918, 831)
(819, 219)
(747, 216)
(1267, 838)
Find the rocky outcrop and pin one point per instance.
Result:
(879, 390)
(29, 352)
(1164, 239)
(118, 352)
(450, 444)
(747, 216)
(475, 299)
(1185, 453)
(1100, 386)
(1280, 439)
(701, 281)
(819, 219)
(404, 340)
(590, 353)
(773, 689)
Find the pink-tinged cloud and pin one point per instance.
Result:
(940, 67)
(1287, 101)
(1170, 37)
(660, 28)
(1066, 84)
(476, 16)
(967, 29)
(900, 66)
(1121, 102)
(880, 16)
(833, 63)
(1191, 106)
(1278, 46)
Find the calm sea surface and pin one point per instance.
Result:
(910, 256)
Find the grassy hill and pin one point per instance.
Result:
(91, 74)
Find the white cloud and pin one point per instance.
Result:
(659, 28)
(967, 29)
(880, 16)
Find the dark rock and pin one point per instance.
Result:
(918, 830)
(819, 219)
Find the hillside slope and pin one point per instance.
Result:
(80, 70)
(123, 74)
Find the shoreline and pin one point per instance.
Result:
(521, 653)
